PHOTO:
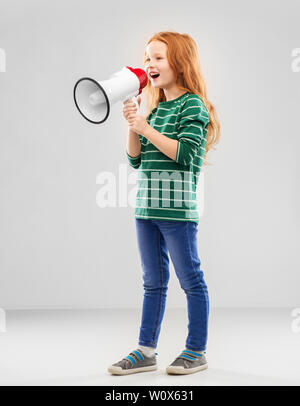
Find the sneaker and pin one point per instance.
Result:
(188, 362)
(135, 362)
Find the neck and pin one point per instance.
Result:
(173, 94)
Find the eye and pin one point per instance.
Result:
(148, 59)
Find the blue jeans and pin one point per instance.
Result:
(155, 239)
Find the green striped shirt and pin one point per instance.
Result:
(167, 187)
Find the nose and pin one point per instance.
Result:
(151, 67)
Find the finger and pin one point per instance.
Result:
(131, 109)
(129, 104)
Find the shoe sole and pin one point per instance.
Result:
(119, 371)
(172, 370)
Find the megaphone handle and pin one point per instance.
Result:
(134, 100)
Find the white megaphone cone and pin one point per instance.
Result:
(94, 98)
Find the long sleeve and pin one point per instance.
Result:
(135, 162)
(193, 119)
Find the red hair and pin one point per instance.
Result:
(182, 54)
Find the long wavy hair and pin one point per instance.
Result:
(183, 58)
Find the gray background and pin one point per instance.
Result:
(59, 249)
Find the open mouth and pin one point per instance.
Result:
(154, 76)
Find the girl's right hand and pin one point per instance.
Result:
(129, 108)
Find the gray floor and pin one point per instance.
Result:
(246, 346)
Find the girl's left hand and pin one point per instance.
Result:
(137, 123)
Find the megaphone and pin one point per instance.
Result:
(93, 98)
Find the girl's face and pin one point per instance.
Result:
(156, 61)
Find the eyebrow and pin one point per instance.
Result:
(157, 53)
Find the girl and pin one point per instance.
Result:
(168, 149)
